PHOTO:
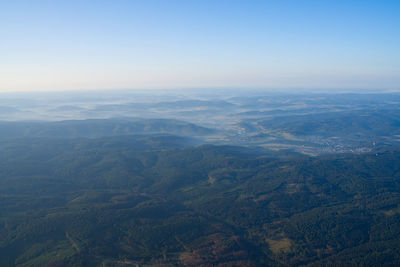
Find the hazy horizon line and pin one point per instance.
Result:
(207, 90)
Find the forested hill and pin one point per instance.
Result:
(100, 127)
(147, 200)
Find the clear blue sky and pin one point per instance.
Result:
(62, 45)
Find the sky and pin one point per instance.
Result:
(156, 44)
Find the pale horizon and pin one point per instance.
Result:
(91, 45)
